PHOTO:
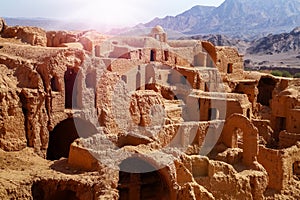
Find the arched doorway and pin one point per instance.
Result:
(65, 133)
(135, 183)
(239, 130)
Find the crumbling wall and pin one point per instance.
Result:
(224, 182)
(227, 60)
(31, 35)
(279, 165)
(12, 129)
(56, 38)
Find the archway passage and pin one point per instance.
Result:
(134, 183)
(64, 134)
(239, 130)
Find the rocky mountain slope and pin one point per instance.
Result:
(278, 43)
(235, 17)
(280, 51)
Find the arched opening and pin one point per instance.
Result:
(54, 84)
(70, 85)
(265, 87)
(63, 134)
(152, 55)
(238, 130)
(140, 180)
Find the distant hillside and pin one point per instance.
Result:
(279, 43)
(235, 18)
(183, 22)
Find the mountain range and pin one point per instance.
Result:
(244, 18)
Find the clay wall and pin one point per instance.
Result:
(287, 139)
(31, 35)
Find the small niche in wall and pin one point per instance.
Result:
(166, 54)
(249, 113)
(229, 68)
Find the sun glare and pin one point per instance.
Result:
(111, 12)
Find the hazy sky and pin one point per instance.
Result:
(119, 12)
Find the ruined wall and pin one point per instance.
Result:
(12, 129)
(287, 139)
(223, 181)
(273, 163)
(30, 35)
(40, 76)
(227, 59)
(284, 114)
(279, 165)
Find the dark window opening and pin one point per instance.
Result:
(229, 68)
(90, 80)
(296, 170)
(140, 54)
(166, 54)
(213, 114)
(63, 134)
(248, 113)
(54, 84)
(153, 55)
(70, 88)
(280, 123)
(140, 180)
